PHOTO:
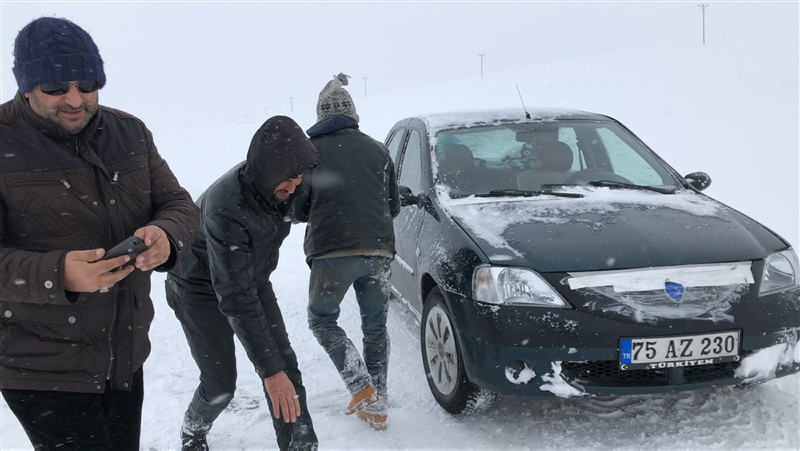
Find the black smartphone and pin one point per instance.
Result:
(132, 246)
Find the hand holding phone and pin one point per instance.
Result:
(132, 246)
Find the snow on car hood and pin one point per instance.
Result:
(609, 229)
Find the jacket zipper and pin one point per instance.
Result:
(111, 356)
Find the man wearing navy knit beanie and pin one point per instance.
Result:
(51, 50)
(76, 179)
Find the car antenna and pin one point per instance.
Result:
(527, 115)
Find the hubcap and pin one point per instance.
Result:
(440, 350)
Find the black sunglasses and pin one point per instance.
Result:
(62, 87)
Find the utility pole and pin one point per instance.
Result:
(365, 85)
(266, 111)
(481, 55)
(703, 7)
(291, 103)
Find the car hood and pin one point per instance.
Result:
(610, 229)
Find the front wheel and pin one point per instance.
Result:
(441, 358)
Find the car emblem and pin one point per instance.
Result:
(674, 290)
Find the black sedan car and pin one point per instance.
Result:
(552, 252)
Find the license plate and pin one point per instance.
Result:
(678, 351)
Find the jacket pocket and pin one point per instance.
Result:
(40, 337)
(144, 311)
(132, 170)
(47, 206)
(132, 188)
(143, 314)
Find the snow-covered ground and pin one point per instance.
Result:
(729, 108)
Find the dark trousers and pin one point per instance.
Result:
(66, 420)
(369, 277)
(210, 339)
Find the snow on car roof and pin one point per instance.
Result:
(471, 118)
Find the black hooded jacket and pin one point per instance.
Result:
(242, 228)
(350, 199)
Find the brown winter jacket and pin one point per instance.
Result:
(62, 192)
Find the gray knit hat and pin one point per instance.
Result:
(334, 99)
(51, 49)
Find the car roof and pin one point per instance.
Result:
(471, 118)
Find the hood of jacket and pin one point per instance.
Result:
(279, 151)
(332, 124)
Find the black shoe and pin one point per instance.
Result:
(193, 442)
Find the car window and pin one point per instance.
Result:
(626, 161)
(568, 136)
(393, 144)
(533, 156)
(410, 163)
(486, 143)
(496, 145)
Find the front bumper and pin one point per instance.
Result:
(568, 352)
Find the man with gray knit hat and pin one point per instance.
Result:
(349, 201)
(76, 179)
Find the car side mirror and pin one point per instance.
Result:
(406, 196)
(699, 180)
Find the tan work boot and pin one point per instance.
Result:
(376, 420)
(362, 400)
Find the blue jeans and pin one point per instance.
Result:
(369, 277)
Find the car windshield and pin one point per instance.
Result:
(543, 156)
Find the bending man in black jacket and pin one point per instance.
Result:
(349, 201)
(222, 287)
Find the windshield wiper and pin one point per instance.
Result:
(614, 184)
(525, 193)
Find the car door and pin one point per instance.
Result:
(408, 223)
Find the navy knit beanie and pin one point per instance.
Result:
(50, 50)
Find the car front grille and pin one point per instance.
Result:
(608, 374)
(650, 295)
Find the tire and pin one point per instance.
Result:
(441, 359)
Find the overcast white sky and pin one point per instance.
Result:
(215, 61)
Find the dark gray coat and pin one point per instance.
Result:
(62, 192)
(350, 199)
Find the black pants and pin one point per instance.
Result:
(210, 339)
(66, 420)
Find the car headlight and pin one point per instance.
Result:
(781, 273)
(514, 286)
